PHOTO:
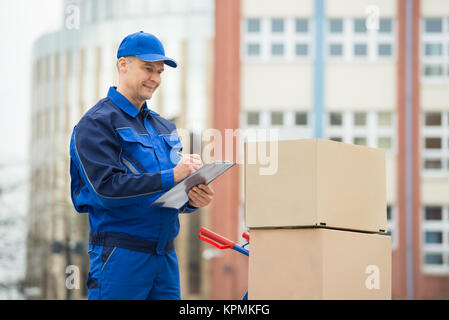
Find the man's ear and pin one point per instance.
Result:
(122, 65)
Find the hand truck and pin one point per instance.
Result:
(224, 243)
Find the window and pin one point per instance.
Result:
(302, 49)
(277, 25)
(336, 119)
(361, 141)
(384, 119)
(435, 238)
(371, 129)
(384, 50)
(360, 118)
(384, 143)
(301, 118)
(302, 25)
(336, 49)
(360, 49)
(357, 42)
(253, 49)
(253, 25)
(277, 49)
(433, 25)
(385, 25)
(359, 25)
(336, 26)
(435, 144)
(277, 118)
(253, 118)
(435, 49)
(277, 38)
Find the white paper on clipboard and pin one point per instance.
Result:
(177, 196)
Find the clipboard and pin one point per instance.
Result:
(177, 196)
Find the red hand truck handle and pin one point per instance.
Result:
(215, 239)
(246, 236)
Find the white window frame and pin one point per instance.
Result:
(443, 154)
(265, 38)
(441, 226)
(289, 129)
(371, 131)
(443, 60)
(372, 39)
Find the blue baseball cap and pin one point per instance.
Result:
(144, 46)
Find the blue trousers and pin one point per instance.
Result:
(123, 274)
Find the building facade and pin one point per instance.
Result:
(372, 73)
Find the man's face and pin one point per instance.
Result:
(142, 78)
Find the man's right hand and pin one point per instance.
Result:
(188, 164)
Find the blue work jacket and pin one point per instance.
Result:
(121, 161)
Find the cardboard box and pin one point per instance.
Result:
(315, 183)
(318, 263)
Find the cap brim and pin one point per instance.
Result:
(157, 57)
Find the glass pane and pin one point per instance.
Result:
(336, 119)
(277, 49)
(433, 25)
(433, 143)
(432, 118)
(336, 49)
(336, 25)
(359, 25)
(433, 70)
(301, 118)
(253, 49)
(433, 258)
(360, 49)
(433, 49)
(302, 49)
(384, 143)
(360, 141)
(360, 118)
(277, 25)
(385, 25)
(253, 118)
(432, 164)
(277, 118)
(302, 25)
(434, 237)
(433, 213)
(384, 50)
(253, 25)
(384, 119)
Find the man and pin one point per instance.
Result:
(123, 157)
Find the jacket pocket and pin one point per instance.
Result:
(174, 146)
(138, 150)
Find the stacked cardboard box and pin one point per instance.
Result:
(317, 219)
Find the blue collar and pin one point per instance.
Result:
(123, 103)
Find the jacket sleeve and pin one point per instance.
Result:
(96, 149)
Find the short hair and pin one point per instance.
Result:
(130, 60)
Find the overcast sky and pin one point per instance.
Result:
(21, 22)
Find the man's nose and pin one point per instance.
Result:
(155, 77)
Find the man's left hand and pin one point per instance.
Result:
(200, 196)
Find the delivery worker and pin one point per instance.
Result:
(123, 157)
